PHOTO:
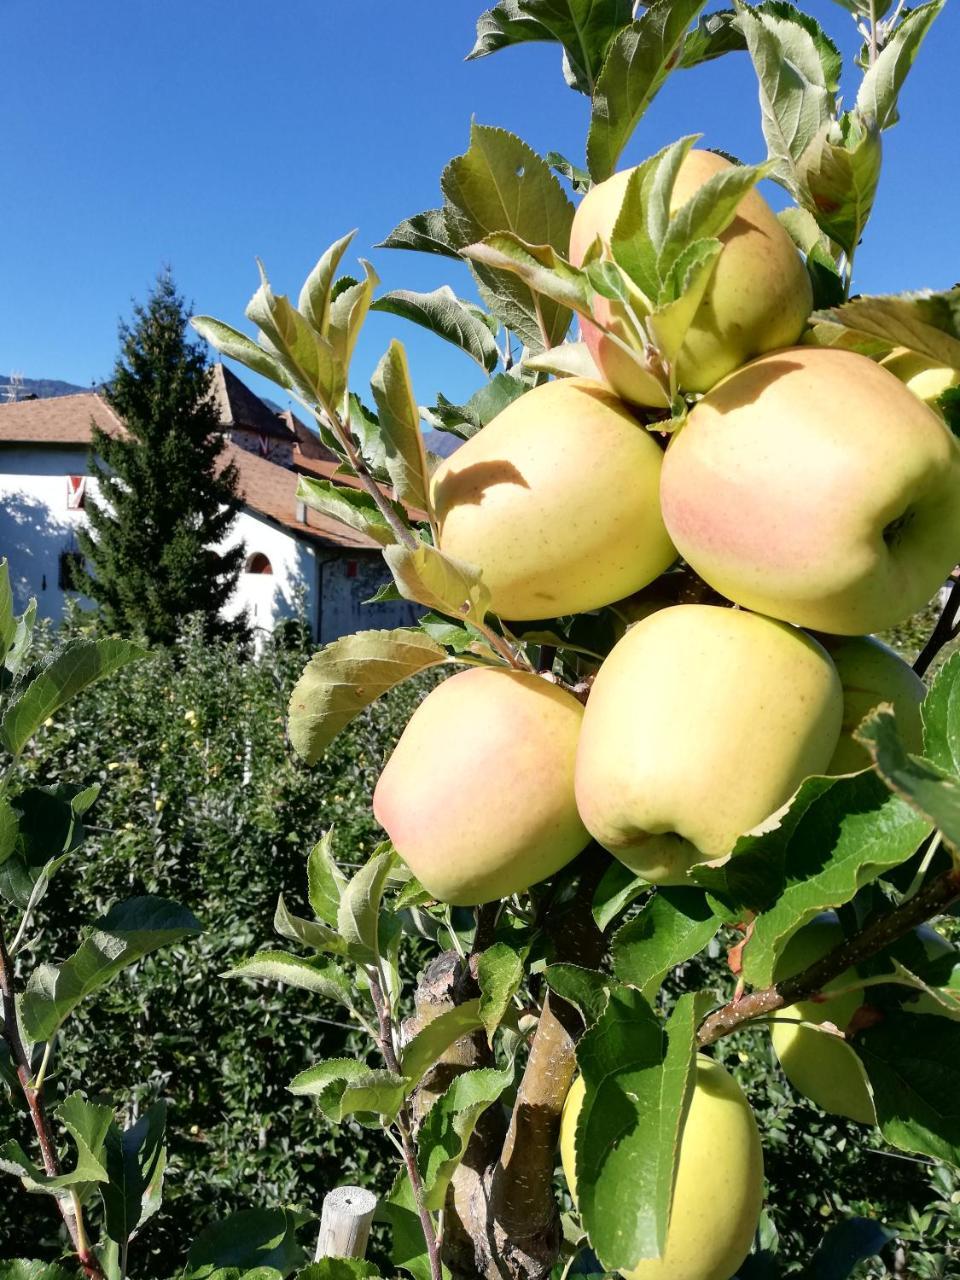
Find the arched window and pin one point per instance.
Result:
(258, 563)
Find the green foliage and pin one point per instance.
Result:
(165, 501)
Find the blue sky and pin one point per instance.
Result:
(203, 134)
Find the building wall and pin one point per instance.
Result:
(292, 586)
(347, 579)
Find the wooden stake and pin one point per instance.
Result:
(345, 1223)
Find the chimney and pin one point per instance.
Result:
(301, 511)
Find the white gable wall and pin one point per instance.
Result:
(270, 597)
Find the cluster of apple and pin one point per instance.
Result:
(810, 487)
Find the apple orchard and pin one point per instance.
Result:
(703, 473)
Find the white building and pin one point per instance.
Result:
(295, 557)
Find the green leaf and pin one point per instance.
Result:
(925, 322)
(87, 1123)
(59, 680)
(578, 178)
(428, 577)
(406, 459)
(307, 356)
(16, 658)
(482, 407)
(344, 1086)
(838, 835)
(501, 184)
(8, 626)
(837, 178)
(436, 1036)
(673, 926)
(358, 915)
(9, 829)
(797, 68)
(310, 932)
(135, 1162)
(49, 829)
(325, 881)
(408, 1250)
(932, 793)
(322, 977)
(714, 35)
(449, 1124)
(315, 296)
(584, 28)
(499, 974)
(617, 889)
(586, 989)
(21, 1269)
(682, 294)
(913, 1063)
(129, 931)
(708, 212)
(546, 272)
(569, 360)
(941, 717)
(349, 306)
(639, 1076)
(248, 1239)
(339, 1269)
(237, 346)
(449, 317)
(428, 232)
(351, 507)
(882, 82)
(346, 676)
(639, 61)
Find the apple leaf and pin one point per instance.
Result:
(440, 582)
(351, 507)
(539, 266)
(618, 887)
(587, 990)
(128, 931)
(306, 355)
(882, 82)
(797, 69)
(315, 296)
(644, 218)
(483, 406)
(837, 178)
(913, 1063)
(251, 1238)
(408, 1251)
(135, 1160)
(837, 835)
(845, 1245)
(449, 1124)
(310, 932)
(639, 1075)
(436, 1036)
(639, 60)
(358, 915)
(405, 456)
(500, 975)
(325, 881)
(449, 317)
(708, 212)
(24, 1269)
(569, 360)
(927, 789)
(428, 232)
(673, 926)
(88, 1124)
(344, 1086)
(714, 35)
(349, 305)
(925, 322)
(346, 676)
(501, 184)
(338, 1269)
(237, 346)
(941, 717)
(322, 977)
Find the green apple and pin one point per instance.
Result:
(927, 381)
(718, 1193)
(702, 722)
(758, 299)
(872, 673)
(556, 502)
(477, 796)
(812, 486)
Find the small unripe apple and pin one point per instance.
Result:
(758, 299)
(872, 673)
(556, 501)
(702, 721)
(718, 1193)
(812, 486)
(927, 381)
(477, 796)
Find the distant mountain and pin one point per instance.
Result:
(42, 388)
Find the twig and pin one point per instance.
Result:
(406, 537)
(945, 630)
(72, 1217)
(933, 898)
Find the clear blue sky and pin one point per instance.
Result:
(204, 133)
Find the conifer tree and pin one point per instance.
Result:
(165, 500)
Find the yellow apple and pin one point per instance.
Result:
(812, 486)
(927, 381)
(701, 723)
(872, 673)
(556, 502)
(758, 299)
(718, 1192)
(477, 796)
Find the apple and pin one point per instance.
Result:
(702, 722)
(556, 502)
(927, 381)
(872, 673)
(758, 299)
(477, 796)
(718, 1191)
(812, 486)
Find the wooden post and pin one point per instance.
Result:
(345, 1223)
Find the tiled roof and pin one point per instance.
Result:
(241, 410)
(267, 489)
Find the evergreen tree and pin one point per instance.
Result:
(165, 499)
